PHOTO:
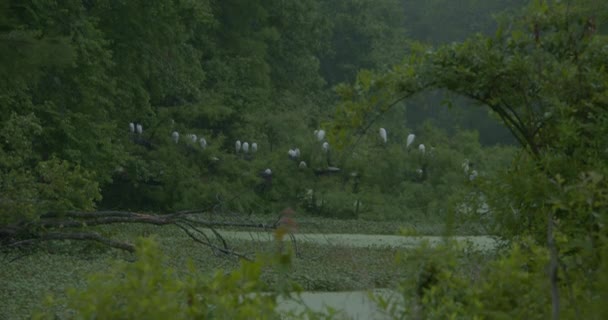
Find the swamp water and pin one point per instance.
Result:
(350, 304)
(354, 304)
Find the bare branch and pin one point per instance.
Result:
(187, 221)
(206, 243)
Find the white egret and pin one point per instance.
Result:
(132, 127)
(254, 147)
(246, 147)
(473, 175)
(465, 166)
(237, 146)
(358, 204)
(193, 138)
(421, 148)
(175, 136)
(321, 135)
(297, 152)
(410, 139)
(383, 135)
(325, 146)
(302, 165)
(203, 143)
(139, 128)
(268, 172)
(291, 153)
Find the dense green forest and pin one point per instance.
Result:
(472, 117)
(76, 74)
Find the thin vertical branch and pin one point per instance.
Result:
(553, 268)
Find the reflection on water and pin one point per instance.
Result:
(352, 304)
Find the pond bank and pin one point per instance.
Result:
(483, 243)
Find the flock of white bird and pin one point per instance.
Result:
(238, 147)
(294, 154)
(192, 137)
(466, 167)
(136, 127)
(472, 174)
(410, 139)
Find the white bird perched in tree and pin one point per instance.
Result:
(325, 146)
(246, 147)
(175, 136)
(237, 146)
(473, 175)
(297, 152)
(383, 135)
(139, 128)
(410, 139)
(421, 148)
(193, 138)
(268, 172)
(320, 135)
(465, 166)
(302, 165)
(203, 143)
(132, 127)
(291, 153)
(254, 147)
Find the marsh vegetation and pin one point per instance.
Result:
(230, 159)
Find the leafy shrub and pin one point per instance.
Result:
(452, 282)
(146, 289)
(448, 283)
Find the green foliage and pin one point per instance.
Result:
(542, 76)
(444, 21)
(543, 111)
(365, 35)
(449, 285)
(453, 282)
(223, 70)
(75, 74)
(17, 185)
(31, 187)
(147, 288)
(66, 187)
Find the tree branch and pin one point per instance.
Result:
(35, 231)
